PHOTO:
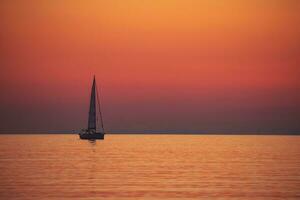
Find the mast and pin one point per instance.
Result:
(99, 108)
(92, 111)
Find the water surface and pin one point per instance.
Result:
(149, 167)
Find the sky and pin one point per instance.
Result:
(182, 65)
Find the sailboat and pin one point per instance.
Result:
(91, 133)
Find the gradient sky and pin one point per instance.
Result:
(207, 65)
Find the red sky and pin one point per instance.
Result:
(162, 64)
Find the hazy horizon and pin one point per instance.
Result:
(161, 65)
(183, 132)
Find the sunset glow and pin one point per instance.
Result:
(161, 64)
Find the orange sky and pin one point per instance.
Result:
(162, 64)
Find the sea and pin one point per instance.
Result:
(149, 166)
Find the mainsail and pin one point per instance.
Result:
(91, 133)
(92, 112)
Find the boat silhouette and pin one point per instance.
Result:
(91, 133)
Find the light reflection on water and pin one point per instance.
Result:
(149, 167)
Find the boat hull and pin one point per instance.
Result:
(92, 136)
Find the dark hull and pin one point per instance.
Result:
(93, 136)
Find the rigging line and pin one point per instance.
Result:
(99, 108)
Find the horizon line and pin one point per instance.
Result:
(170, 132)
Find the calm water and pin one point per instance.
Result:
(149, 167)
